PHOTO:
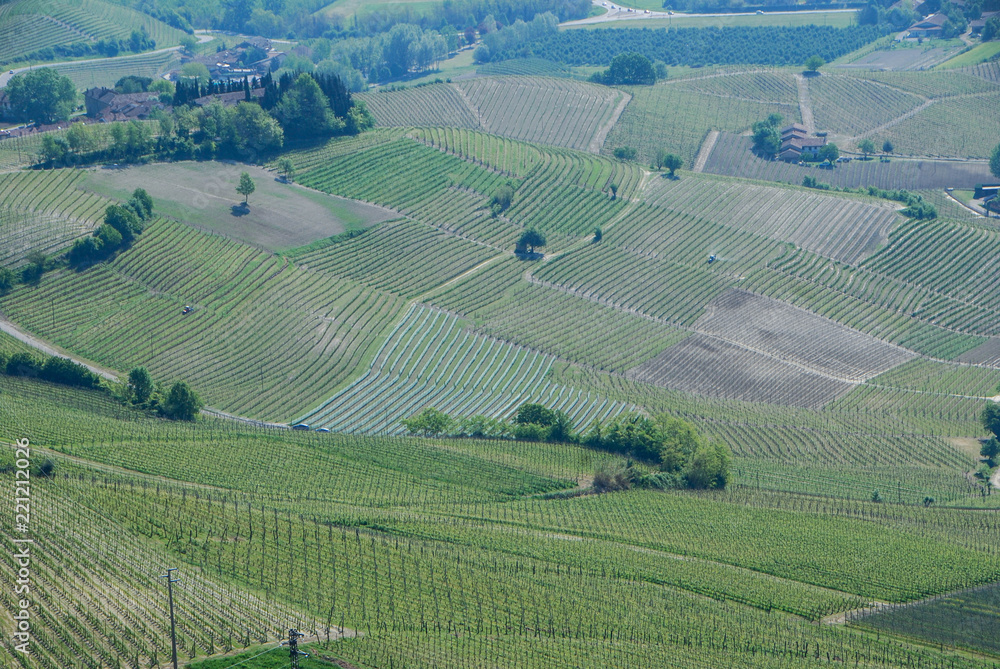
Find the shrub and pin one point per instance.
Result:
(709, 467)
(182, 403)
(429, 422)
(612, 476)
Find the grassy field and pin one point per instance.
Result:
(280, 216)
(980, 53)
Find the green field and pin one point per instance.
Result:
(681, 20)
(841, 351)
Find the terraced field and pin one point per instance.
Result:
(44, 211)
(500, 153)
(431, 359)
(675, 117)
(264, 337)
(106, 72)
(871, 104)
(842, 229)
(731, 156)
(557, 112)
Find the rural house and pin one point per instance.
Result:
(932, 26)
(976, 27)
(797, 144)
(106, 104)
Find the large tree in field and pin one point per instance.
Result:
(41, 95)
(246, 187)
(867, 147)
(673, 162)
(530, 239)
(628, 68)
(182, 403)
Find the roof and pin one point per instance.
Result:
(932, 22)
(228, 99)
(802, 142)
(795, 127)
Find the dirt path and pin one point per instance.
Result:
(805, 104)
(48, 349)
(705, 151)
(602, 133)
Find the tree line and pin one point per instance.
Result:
(762, 45)
(681, 457)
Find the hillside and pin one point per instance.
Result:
(472, 382)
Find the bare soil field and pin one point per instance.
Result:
(706, 365)
(836, 227)
(984, 354)
(732, 157)
(279, 216)
(798, 337)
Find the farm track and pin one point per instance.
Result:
(805, 104)
(705, 151)
(928, 102)
(602, 133)
(48, 349)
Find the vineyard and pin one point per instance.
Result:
(676, 117)
(29, 26)
(44, 211)
(431, 359)
(732, 157)
(933, 131)
(432, 105)
(86, 75)
(263, 338)
(557, 112)
(838, 228)
(871, 105)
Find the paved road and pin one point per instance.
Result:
(5, 77)
(621, 13)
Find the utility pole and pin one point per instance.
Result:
(173, 631)
(293, 647)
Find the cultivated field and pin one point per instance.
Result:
(675, 117)
(871, 104)
(839, 228)
(87, 74)
(558, 112)
(797, 337)
(707, 365)
(280, 216)
(904, 58)
(433, 105)
(44, 211)
(30, 25)
(431, 359)
(731, 156)
(933, 131)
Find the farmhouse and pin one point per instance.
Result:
(796, 143)
(932, 26)
(976, 27)
(106, 104)
(229, 99)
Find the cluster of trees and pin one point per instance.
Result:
(502, 198)
(681, 456)
(121, 225)
(180, 402)
(630, 69)
(48, 368)
(664, 159)
(138, 41)
(916, 206)
(404, 48)
(763, 45)
(42, 95)
(767, 136)
(515, 38)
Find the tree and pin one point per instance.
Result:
(140, 385)
(530, 239)
(709, 467)
(813, 63)
(534, 414)
(142, 204)
(867, 147)
(81, 138)
(182, 403)
(304, 110)
(995, 162)
(250, 131)
(887, 146)
(429, 422)
(124, 220)
(7, 279)
(828, 152)
(624, 153)
(990, 418)
(188, 43)
(672, 162)
(54, 149)
(42, 95)
(627, 68)
(502, 198)
(678, 441)
(598, 235)
(196, 71)
(287, 168)
(246, 187)
(766, 138)
(990, 449)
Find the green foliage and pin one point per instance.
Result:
(502, 198)
(990, 418)
(304, 110)
(627, 69)
(828, 151)
(709, 466)
(624, 153)
(995, 161)
(246, 186)
(867, 147)
(287, 169)
(7, 279)
(140, 385)
(430, 423)
(766, 136)
(887, 146)
(814, 62)
(41, 95)
(990, 449)
(536, 414)
(529, 240)
(181, 403)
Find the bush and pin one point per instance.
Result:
(68, 373)
(612, 476)
(529, 413)
(624, 153)
(429, 422)
(181, 403)
(7, 279)
(23, 364)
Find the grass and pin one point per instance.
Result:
(279, 217)
(974, 56)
